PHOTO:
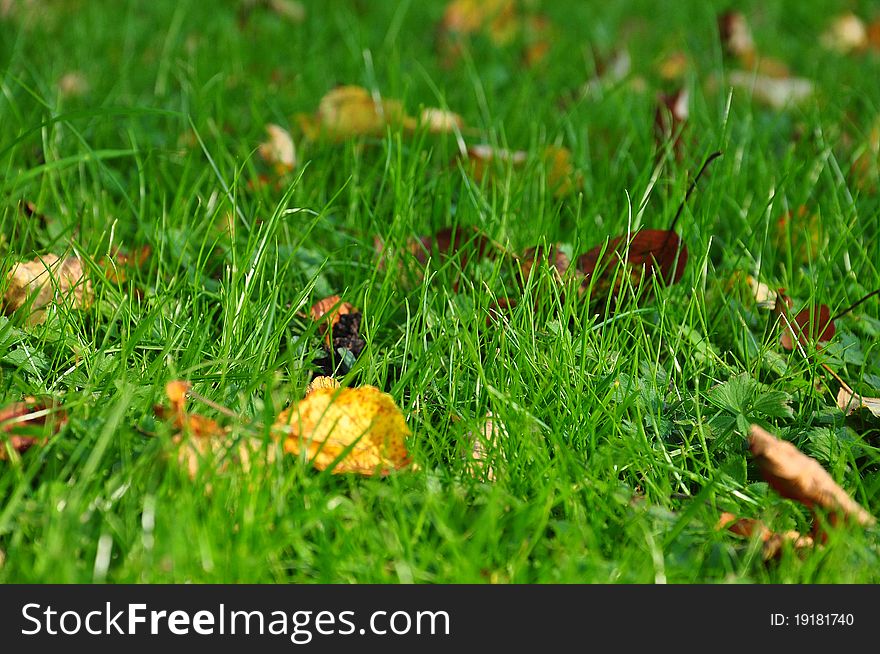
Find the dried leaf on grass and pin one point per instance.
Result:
(484, 441)
(278, 151)
(121, 263)
(351, 111)
(648, 253)
(847, 33)
(773, 543)
(775, 92)
(45, 281)
(199, 439)
(796, 476)
(28, 423)
(340, 322)
(321, 382)
(349, 429)
(811, 327)
(850, 402)
(440, 121)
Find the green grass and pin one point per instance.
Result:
(625, 430)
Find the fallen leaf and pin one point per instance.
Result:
(846, 34)
(362, 427)
(340, 322)
(561, 177)
(796, 476)
(73, 85)
(647, 253)
(488, 162)
(551, 257)
(440, 121)
(327, 313)
(763, 295)
(736, 37)
(773, 542)
(279, 151)
(290, 10)
(47, 281)
(121, 263)
(321, 382)
(849, 402)
(673, 66)
(199, 439)
(811, 326)
(484, 441)
(777, 93)
(538, 35)
(352, 111)
(498, 20)
(874, 34)
(669, 119)
(28, 423)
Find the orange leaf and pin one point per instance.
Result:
(799, 477)
(352, 111)
(363, 427)
(812, 325)
(773, 542)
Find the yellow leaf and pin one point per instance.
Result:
(362, 425)
(350, 111)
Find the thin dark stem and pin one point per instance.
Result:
(853, 306)
(712, 157)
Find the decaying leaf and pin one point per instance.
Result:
(47, 280)
(673, 66)
(773, 542)
(28, 423)
(647, 253)
(796, 476)
(488, 162)
(279, 151)
(846, 34)
(775, 92)
(498, 20)
(73, 84)
(351, 111)
(340, 322)
(850, 402)
(561, 176)
(361, 427)
(328, 312)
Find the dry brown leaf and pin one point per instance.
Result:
(363, 427)
(47, 280)
(670, 117)
(499, 20)
(486, 161)
(328, 312)
(538, 35)
(290, 10)
(777, 93)
(279, 151)
(849, 402)
(28, 423)
(773, 542)
(846, 34)
(352, 111)
(551, 257)
(799, 477)
(561, 176)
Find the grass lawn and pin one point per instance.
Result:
(621, 427)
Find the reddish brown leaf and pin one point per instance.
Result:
(736, 37)
(812, 325)
(28, 423)
(669, 118)
(796, 476)
(849, 401)
(551, 257)
(121, 263)
(329, 311)
(649, 252)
